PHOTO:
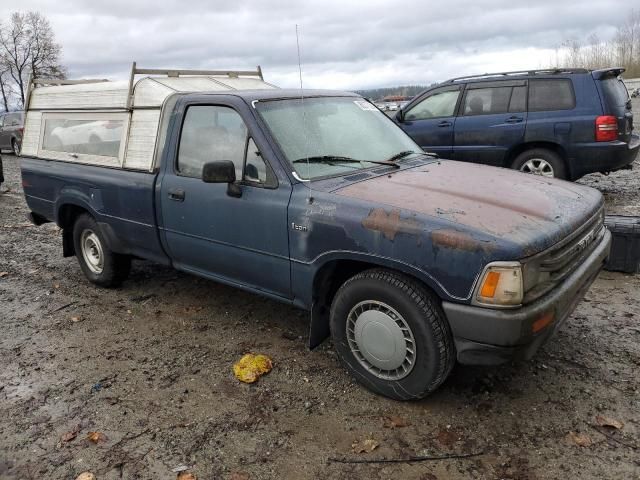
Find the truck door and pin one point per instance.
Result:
(241, 240)
(430, 122)
(491, 122)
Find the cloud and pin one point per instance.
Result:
(344, 44)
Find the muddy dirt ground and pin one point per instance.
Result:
(148, 366)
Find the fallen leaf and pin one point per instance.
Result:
(3, 274)
(365, 446)
(71, 434)
(239, 476)
(580, 439)
(603, 421)
(428, 476)
(447, 437)
(56, 286)
(86, 476)
(75, 319)
(96, 437)
(393, 421)
(251, 367)
(186, 475)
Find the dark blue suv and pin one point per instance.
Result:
(562, 123)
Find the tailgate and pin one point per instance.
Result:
(616, 102)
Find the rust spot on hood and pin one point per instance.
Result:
(457, 240)
(390, 223)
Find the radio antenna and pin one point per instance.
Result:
(304, 112)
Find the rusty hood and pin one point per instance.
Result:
(528, 211)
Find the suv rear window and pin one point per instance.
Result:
(551, 94)
(615, 93)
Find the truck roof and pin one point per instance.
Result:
(282, 93)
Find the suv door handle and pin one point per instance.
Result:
(445, 123)
(176, 194)
(513, 119)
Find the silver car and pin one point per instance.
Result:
(11, 128)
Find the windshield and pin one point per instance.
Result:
(332, 132)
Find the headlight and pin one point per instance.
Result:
(500, 285)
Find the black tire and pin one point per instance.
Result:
(113, 268)
(15, 147)
(552, 159)
(420, 310)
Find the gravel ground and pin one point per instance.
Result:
(148, 366)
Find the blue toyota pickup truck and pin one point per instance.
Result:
(317, 199)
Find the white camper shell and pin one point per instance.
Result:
(114, 124)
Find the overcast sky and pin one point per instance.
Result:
(345, 44)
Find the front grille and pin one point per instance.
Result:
(557, 263)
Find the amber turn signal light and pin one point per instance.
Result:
(544, 321)
(490, 284)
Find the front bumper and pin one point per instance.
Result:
(485, 336)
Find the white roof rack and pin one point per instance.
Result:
(148, 92)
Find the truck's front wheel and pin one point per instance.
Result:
(99, 264)
(391, 334)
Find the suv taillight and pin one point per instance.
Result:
(606, 128)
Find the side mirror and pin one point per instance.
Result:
(400, 116)
(223, 171)
(219, 172)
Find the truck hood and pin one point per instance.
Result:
(529, 211)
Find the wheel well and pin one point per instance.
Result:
(554, 147)
(67, 216)
(326, 283)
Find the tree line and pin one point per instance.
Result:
(27, 47)
(623, 50)
(380, 93)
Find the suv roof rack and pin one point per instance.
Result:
(33, 82)
(547, 71)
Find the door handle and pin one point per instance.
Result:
(513, 119)
(445, 123)
(176, 194)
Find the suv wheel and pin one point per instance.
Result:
(540, 161)
(391, 334)
(99, 264)
(15, 147)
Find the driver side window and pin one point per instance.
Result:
(215, 133)
(438, 104)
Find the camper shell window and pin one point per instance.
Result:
(94, 138)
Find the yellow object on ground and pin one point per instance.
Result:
(251, 367)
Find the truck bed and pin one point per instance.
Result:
(122, 201)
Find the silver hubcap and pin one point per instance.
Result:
(92, 251)
(16, 149)
(381, 340)
(537, 166)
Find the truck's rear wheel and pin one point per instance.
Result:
(391, 334)
(99, 264)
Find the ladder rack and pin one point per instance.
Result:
(172, 73)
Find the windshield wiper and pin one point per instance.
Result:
(332, 159)
(402, 154)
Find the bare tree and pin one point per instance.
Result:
(28, 46)
(623, 50)
(6, 89)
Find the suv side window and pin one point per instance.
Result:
(518, 102)
(439, 104)
(486, 101)
(214, 133)
(551, 94)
